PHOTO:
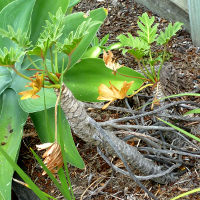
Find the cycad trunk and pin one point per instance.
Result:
(79, 121)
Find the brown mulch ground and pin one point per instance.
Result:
(121, 19)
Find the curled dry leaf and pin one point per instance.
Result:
(52, 157)
(110, 63)
(36, 84)
(112, 93)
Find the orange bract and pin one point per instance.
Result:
(110, 63)
(36, 84)
(112, 93)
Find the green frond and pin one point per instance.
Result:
(18, 37)
(170, 31)
(136, 46)
(10, 57)
(52, 31)
(147, 32)
(74, 38)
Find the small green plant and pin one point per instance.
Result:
(140, 47)
(97, 47)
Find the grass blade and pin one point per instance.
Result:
(24, 176)
(181, 130)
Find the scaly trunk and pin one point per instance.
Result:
(79, 121)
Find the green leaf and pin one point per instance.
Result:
(73, 3)
(139, 47)
(181, 130)
(73, 21)
(104, 40)
(19, 19)
(18, 36)
(147, 31)
(58, 185)
(75, 37)
(92, 72)
(92, 52)
(5, 78)
(23, 175)
(41, 13)
(195, 111)
(4, 3)
(52, 32)
(45, 126)
(11, 129)
(170, 31)
(10, 57)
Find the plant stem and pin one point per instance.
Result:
(52, 86)
(51, 55)
(68, 64)
(56, 61)
(56, 118)
(163, 60)
(145, 79)
(20, 74)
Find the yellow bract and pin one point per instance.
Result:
(110, 63)
(112, 93)
(36, 84)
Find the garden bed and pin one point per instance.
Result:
(98, 181)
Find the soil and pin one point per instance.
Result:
(98, 181)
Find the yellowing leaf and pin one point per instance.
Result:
(112, 93)
(110, 63)
(36, 84)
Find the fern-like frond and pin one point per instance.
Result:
(147, 32)
(74, 38)
(18, 37)
(170, 31)
(10, 57)
(137, 47)
(52, 31)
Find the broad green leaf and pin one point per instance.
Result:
(40, 14)
(19, 19)
(45, 126)
(92, 52)
(4, 3)
(73, 21)
(170, 31)
(5, 78)
(73, 3)
(147, 31)
(195, 111)
(86, 76)
(11, 129)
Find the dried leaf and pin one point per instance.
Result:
(112, 93)
(52, 157)
(110, 63)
